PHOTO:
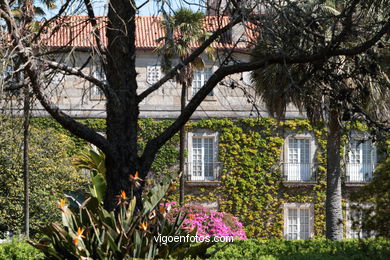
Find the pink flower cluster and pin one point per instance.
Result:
(208, 222)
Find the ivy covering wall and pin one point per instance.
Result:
(251, 180)
(251, 184)
(51, 173)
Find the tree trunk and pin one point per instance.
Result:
(122, 104)
(334, 214)
(182, 145)
(26, 177)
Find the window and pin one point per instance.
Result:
(98, 73)
(355, 216)
(298, 221)
(202, 164)
(299, 154)
(200, 78)
(361, 160)
(153, 74)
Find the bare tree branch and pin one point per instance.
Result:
(153, 145)
(76, 72)
(32, 71)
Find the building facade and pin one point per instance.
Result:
(284, 189)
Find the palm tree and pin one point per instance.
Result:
(183, 30)
(326, 91)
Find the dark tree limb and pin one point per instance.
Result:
(75, 72)
(154, 145)
(198, 51)
(32, 71)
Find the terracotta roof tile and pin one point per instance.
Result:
(76, 31)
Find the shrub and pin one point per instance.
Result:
(304, 249)
(376, 217)
(209, 222)
(51, 173)
(89, 231)
(19, 250)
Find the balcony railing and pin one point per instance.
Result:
(298, 171)
(359, 172)
(205, 171)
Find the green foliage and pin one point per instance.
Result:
(19, 250)
(91, 232)
(251, 182)
(376, 217)
(51, 173)
(182, 29)
(167, 156)
(249, 149)
(304, 249)
(91, 159)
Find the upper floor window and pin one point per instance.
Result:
(200, 78)
(298, 221)
(299, 153)
(153, 74)
(361, 160)
(98, 73)
(202, 161)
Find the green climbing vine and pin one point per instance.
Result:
(251, 185)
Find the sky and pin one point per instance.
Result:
(149, 7)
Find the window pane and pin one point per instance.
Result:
(203, 157)
(197, 156)
(298, 221)
(298, 159)
(200, 78)
(361, 162)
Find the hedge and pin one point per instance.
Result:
(19, 250)
(303, 249)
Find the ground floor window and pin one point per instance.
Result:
(298, 221)
(356, 214)
(202, 160)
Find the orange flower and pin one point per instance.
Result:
(79, 236)
(161, 209)
(122, 197)
(61, 205)
(172, 188)
(143, 226)
(135, 179)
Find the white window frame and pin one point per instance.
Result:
(204, 77)
(153, 74)
(98, 73)
(202, 134)
(360, 172)
(350, 233)
(299, 171)
(298, 207)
